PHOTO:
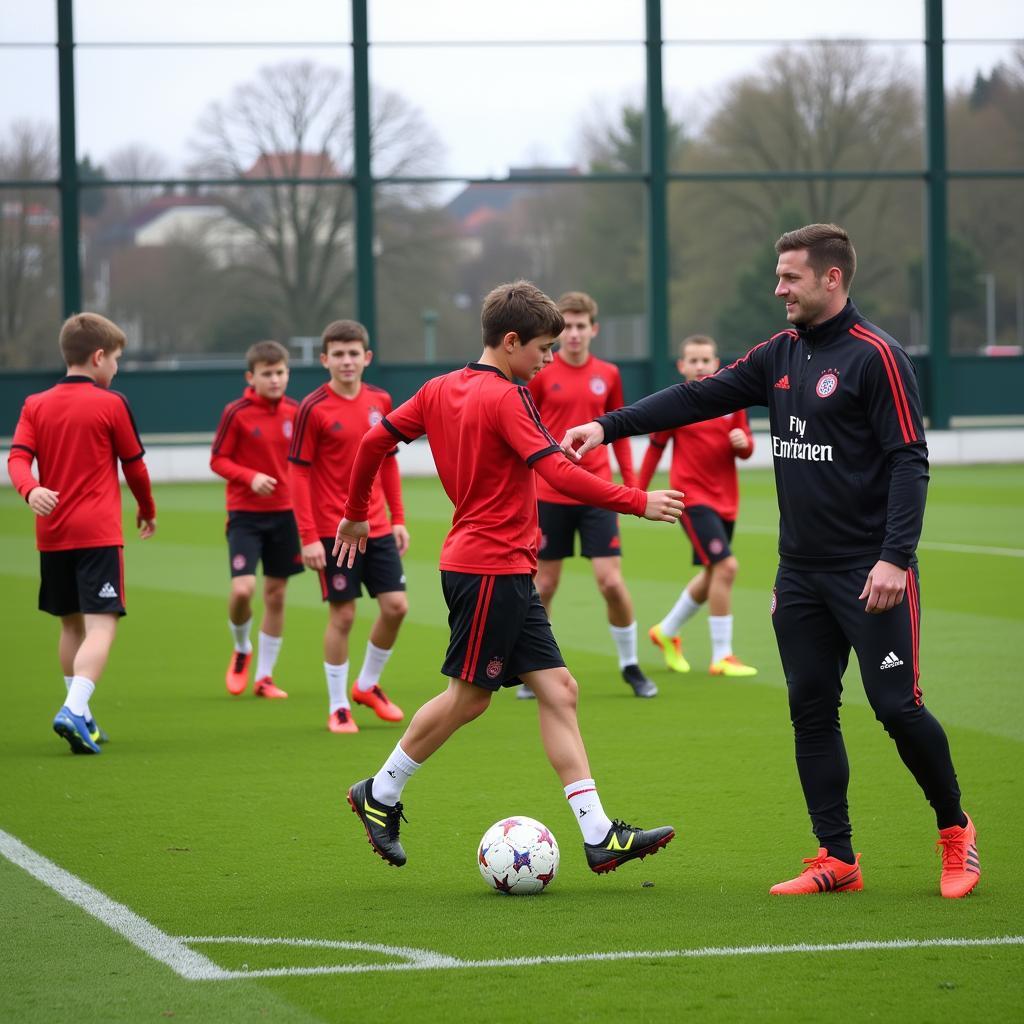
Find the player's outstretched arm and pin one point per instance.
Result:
(350, 538)
(582, 439)
(664, 506)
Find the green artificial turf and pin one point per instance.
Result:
(213, 816)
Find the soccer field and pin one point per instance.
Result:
(225, 878)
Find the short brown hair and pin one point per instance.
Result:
(521, 307)
(827, 245)
(85, 333)
(578, 302)
(344, 330)
(270, 352)
(697, 339)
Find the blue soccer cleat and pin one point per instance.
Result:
(75, 730)
(96, 731)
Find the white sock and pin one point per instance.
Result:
(721, 636)
(373, 664)
(79, 692)
(396, 771)
(625, 643)
(67, 686)
(241, 634)
(337, 685)
(586, 806)
(269, 647)
(685, 608)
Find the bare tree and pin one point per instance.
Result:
(29, 248)
(295, 121)
(135, 160)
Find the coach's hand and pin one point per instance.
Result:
(263, 484)
(884, 587)
(401, 535)
(580, 440)
(664, 506)
(314, 556)
(42, 500)
(351, 538)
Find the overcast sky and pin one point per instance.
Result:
(492, 105)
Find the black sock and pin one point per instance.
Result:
(841, 851)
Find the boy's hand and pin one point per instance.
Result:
(664, 506)
(738, 440)
(42, 500)
(263, 484)
(401, 535)
(314, 556)
(580, 440)
(351, 537)
(147, 527)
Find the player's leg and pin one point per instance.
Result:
(340, 617)
(720, 622)
(600, 542)
(244, 546)
(74, 719)
(887, 647)
(281, 554)
(385, 580)
(72, 633)
(814, 655)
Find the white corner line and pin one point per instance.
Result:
(137, 930)
(174, 952)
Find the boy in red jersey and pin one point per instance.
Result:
(575, 387)
(250, 450)
(328, 429)
(488, 441)
(704, 468)
(76, 432)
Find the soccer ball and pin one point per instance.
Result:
(518, 856)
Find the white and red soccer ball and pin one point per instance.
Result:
(518, 856)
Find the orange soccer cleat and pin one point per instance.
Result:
(378, 700)
(671, 648)
(237, 677)
(961, 868)
(822, 874)
(341, 720)
(265, 688)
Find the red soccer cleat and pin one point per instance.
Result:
(237, 677)
(822, 874)
(265, 688)
(341, 721)
(378, 700)
(961, 868)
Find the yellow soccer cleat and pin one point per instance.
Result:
(671, 648)
(730, 665)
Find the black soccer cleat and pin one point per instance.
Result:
(380, 821)
(624, 842)
(642, 686)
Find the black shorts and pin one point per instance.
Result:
(379, 570)
(85, 580)
(268, 536)
(709, 534)
(598, 529)
(499, 629)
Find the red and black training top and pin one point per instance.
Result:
(253, 437)
(77, 431)
(488, 440)
(851, 461)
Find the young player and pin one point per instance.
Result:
(488, 441)
(76, 432)
(578, 386)
(330, 423)
(704, 468)
(250, 451)
(851, 471)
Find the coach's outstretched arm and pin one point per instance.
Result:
(736, 386)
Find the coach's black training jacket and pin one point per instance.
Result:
(851, 462)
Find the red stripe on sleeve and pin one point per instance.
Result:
(899, 396)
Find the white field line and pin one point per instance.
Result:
(116, 916)
(926, 545)
(175, 953)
